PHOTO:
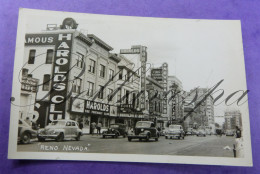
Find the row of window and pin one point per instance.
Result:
(49, 56)
(102, 70)
(80, 62)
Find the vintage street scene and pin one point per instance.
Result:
(80, 94)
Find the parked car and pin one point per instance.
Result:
(189, 131)
(230, 133)
(144, 130)
(115, 130)
(175, 131)
(201, 132)
(60, 129)
(162, 132)
(25, 132)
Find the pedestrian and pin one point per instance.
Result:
(81, 124)
(238, 132)
(93, 127)
(99, 125)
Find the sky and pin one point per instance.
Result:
(199, 52)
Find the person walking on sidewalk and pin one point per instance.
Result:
(93, 127)
(99, 125)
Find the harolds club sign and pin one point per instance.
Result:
(88, 106)
(60, 73)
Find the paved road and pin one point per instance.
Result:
(190, 146)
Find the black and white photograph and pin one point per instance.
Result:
(137, 89)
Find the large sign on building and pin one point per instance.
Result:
(60, 72)
(156, 74)
(142, 51)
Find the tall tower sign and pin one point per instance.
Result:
(142, 52)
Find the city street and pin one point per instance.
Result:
(190, 146)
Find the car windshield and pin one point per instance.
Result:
(58, 123)
(142, 124)
(114, 126)
(174, 127)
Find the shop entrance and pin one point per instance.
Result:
(93, 119)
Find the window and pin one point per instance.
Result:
(111, 74)
(30, 75)
(76, 85)
(90, 87)
(31, 56)
(109, 97)
(119, 95)
(120, 74)
(25, 72)
(49, 56)
(92, 66)
(80, 60)
(100, 92)
(102, 71)
(46, 82)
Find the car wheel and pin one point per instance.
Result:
(26, 138)
(78, 137)
(60, 137)
(104, 136)
(129, 139)
(166, 137)
(147, 138)
(116, 135)
(41, 139)
(156, 139)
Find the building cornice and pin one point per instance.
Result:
(100, 42)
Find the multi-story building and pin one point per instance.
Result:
(160, 74)
(205, 108)
(76, 75)
(232, 119)
(80, 79)
(175, 105)
(129, 90)
(156, 101)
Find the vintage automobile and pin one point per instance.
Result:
(175, 131)
(25, 132)
(115, 130)
(201, 132)
(189, 131)
(60, 129)
(144, 130)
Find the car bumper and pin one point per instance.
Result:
(136, 136)
(109, 134)
(48, 136)
(173, 135)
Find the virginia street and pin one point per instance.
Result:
(191, 146)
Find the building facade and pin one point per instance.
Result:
(232, 119)
(79, 78)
